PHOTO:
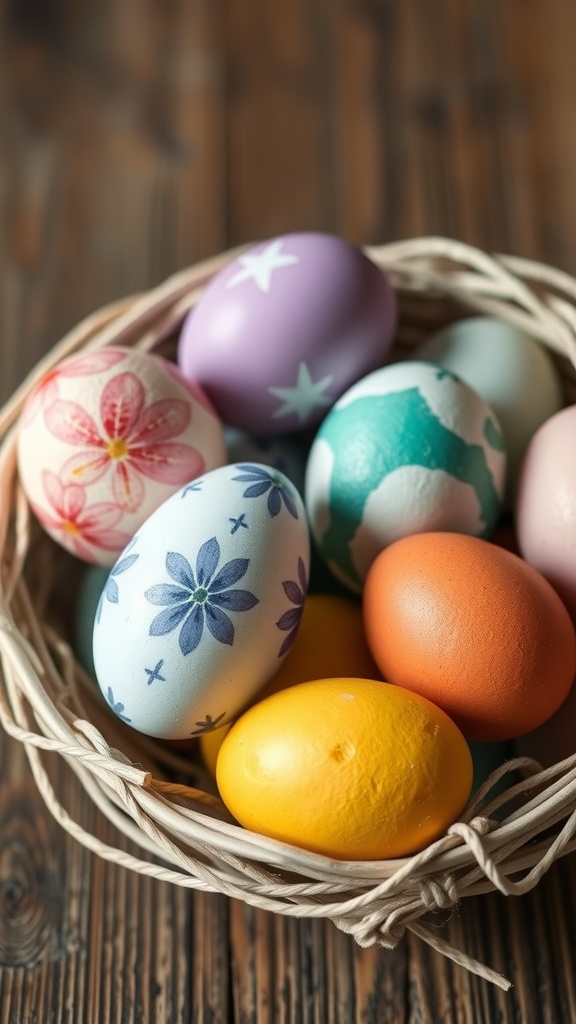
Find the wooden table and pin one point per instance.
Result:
(137, 138)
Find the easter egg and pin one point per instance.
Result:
(349, 768)
(409, 448)
(104, 439)
(511, 371)
(329, 642)
(474, 629)
(545, 510)
(285, 328)
(206, 600)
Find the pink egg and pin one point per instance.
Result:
(546, 504)
(104, 439)
(285, 328)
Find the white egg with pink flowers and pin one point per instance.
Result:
(104, 439)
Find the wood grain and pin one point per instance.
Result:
(137, 138)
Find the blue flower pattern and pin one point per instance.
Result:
(110, 591)
(208, 724)
(290, 621)
(264, 481)
(116, 706)
(195, 486)
(155, 673)
(239, 521)
(198, 599)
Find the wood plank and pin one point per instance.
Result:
(278, 135)
(116, 171)
(138, 138)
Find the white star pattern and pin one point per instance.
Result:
(303, 398)
(260, 266)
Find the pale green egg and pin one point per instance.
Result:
(512, 372)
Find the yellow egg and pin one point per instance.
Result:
(350, 768)
(329, 642)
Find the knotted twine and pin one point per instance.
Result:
(47, 703)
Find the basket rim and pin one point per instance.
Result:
(374, 900)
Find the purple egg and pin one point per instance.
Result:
(285, 328)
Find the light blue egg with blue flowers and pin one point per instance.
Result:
(204, 603)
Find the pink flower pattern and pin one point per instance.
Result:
(133, 441)
(77, 525)
(46, 391)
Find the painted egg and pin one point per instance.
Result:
(410, 448)
(474, 629)
(204, 603)
(511, 371)
(104, 439)
(545, 510)
(285, 328)
(348, 768)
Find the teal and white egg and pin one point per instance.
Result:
(512, 371)
(204, 602)
(409, 448)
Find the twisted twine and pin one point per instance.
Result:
(47, 705)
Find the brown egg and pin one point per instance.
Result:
(474, 629)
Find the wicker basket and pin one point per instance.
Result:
(48, 703)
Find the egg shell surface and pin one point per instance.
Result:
(349, 768)
(545, 510)
(474, 629)
(207, 598)
(510, 370)
(330, 642)
(104, 439)
(285, 328)
(409, 448)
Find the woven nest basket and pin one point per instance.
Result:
(166, 804)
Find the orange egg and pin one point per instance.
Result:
(474, 629)
(330, 642)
